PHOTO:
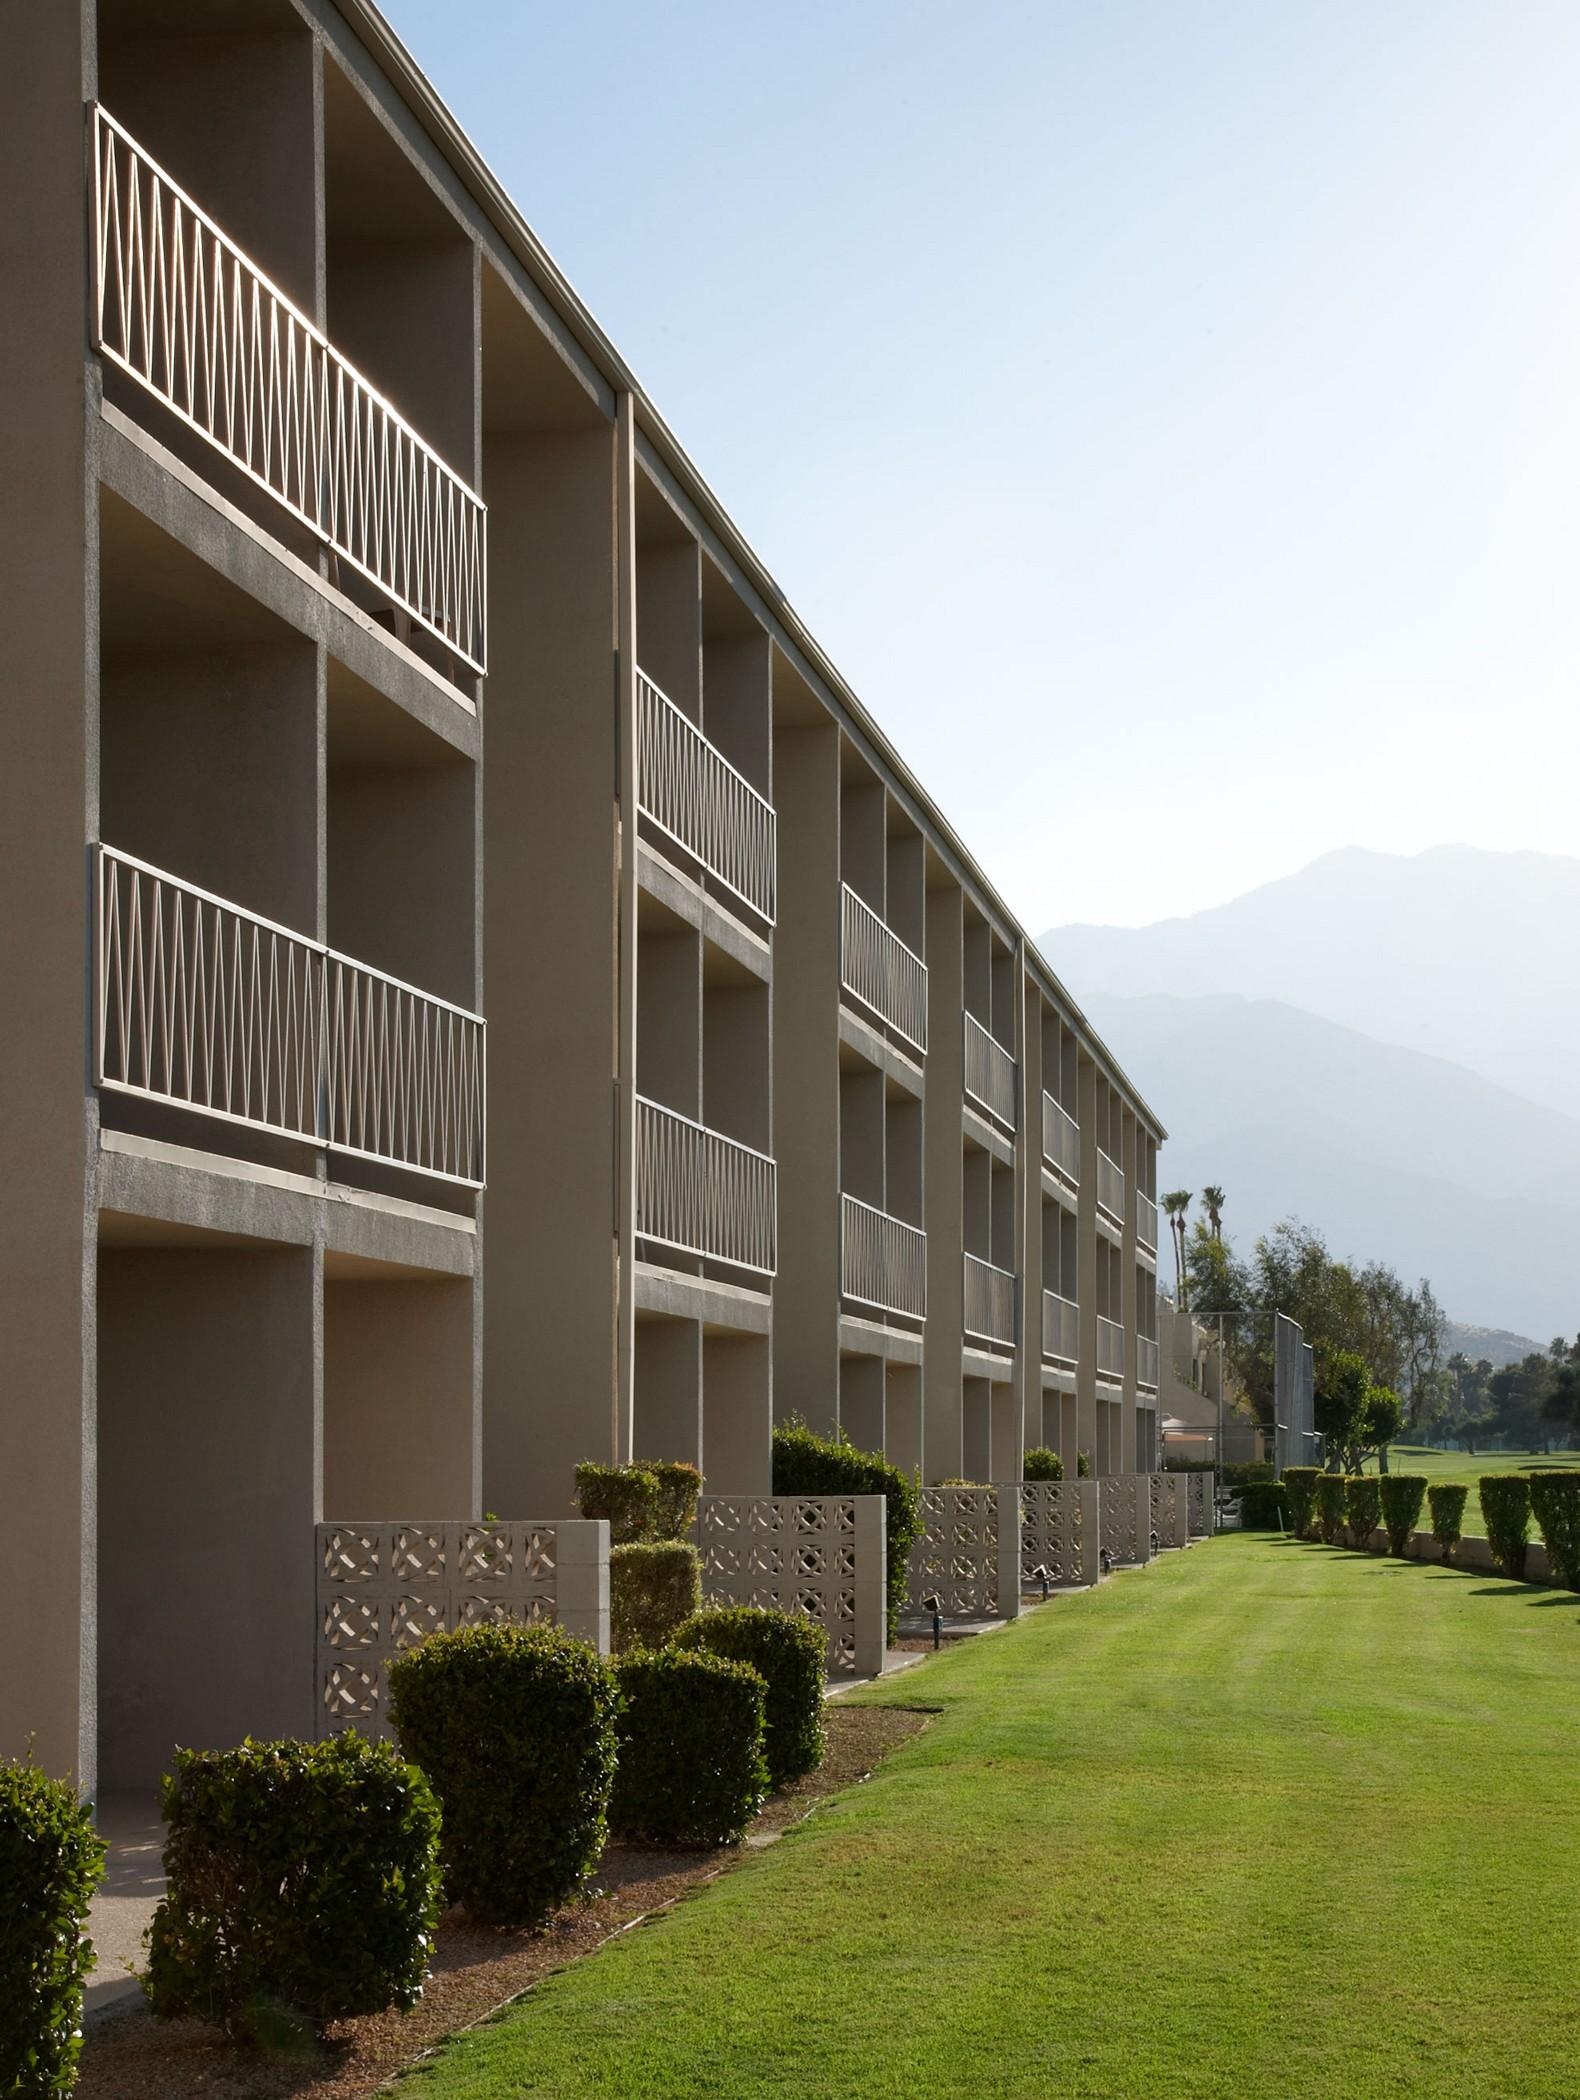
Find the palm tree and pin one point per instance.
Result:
(1213, 1198)
(1175, 1205)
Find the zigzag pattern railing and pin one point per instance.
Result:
(179, 306)
(703, 1193)
(689, 789)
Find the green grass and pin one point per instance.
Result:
(1264, 1819)
(1459, 1465)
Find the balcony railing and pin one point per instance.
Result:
(1110, 1348)
(1146, 1220)
(696, 797)
(989, 1302)
(1111, 1187)
(179, 306)
(883, 1261)
(700, 1192)
(1061, 1328)
(877, 968)
(1147, 1361)
(202, 1004)
(990, 1072)
(1061, 1140)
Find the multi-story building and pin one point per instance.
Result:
(382, 672)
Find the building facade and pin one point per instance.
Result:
(412, 783)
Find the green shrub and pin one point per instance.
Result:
(49, 1867)
(808, 1464)
(1083, 1465)
(957, 1482)
(689, 1768)
(1362, 1508)
(514, 1726)
(679, 1488)
(1332, 1500)
(303, 1877)
(1248, 1473)
(1446, 1500)
(1555, 1504)
(653, 1585)
(626, 1497)
(1506, 1511)
(1301, 1483)
(790, 1654)
(1402, 1496)
(1042, 1464)
(1264, 1506)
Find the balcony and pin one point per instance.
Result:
(693, 795)
(206, 1006)
(989, 1302)
(178, 306)
(878, 969)
(1146, 1221)
(1110, 1349)
(883, 1261)
(989, 1073)
(1061, 1141)
(1147, 1362)
(699, 1192)
(1061, 1329)
(1111, 1188)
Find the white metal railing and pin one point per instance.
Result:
(1146, 1220)
(202, 1004)
(1061, 1328)
(703, 1193)
(1147, 1361)
(989, 1072)
(179, 306)
(989, 1301)
(1111, 1187)
(695, 796)
(1061, 1140)
(1110, 1348)
(883, 1261)
(877, 968)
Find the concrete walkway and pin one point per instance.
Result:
(124, 1907)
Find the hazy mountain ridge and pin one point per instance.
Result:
(1494, 1345)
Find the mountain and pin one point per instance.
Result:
(1493, 1345)
(1468, 955)
(1389, 1152)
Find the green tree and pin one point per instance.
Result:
(1213, 1198)
(1175, 1205)
(1343, 1394)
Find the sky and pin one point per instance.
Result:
(1167, 415)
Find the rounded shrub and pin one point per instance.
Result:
(1083, 1465)
(50, 1862)
(808, 1464)
(1332, 1506)
(679, 1490)
(1042, 1464)
(1506, 1512)
(625, 1497)
(1264, 1506)
(514, 1727)
(1446, 1500)
(1402, 1496)
(653, 1585)
(302, 1877)
(1555, 1504)
(790, 1654)
(689, 1766)
(1301, 1483)
(1362, 1508)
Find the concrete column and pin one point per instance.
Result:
(943, 1433)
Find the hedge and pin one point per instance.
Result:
(1506, 1511)
(1083, 1465)
(689, 1767)
(1555, 1504)
(1042, 1464)
(653, 1585)
(1402, 1496)
(625, 1497)
(1301, 1484)
(50, 1861)
(1264, 1506)
(1446, 1500)
(302, 1877)
(1246, 1473)
(1362, 1508)
(679, 1489)
(790, 1654)
(1332, 1503)
(514, 1726)
(808, 1464)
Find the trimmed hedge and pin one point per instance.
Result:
(1555, 1504)
(1083, 1465)
(514, 1726)
(1247, 1473)
(1264, 1506)
(679, 1489)
(1402, 1496)
(689, 1768)
(653, 1585)
(808, 1464)
(1506, 1511)
(790, 1654)
(1362, 1508)
(302, 1876)
(50, 1862)
(1040, 1463)
(625, 1497)
(1301, 1485)
(1332, 1505)
(1446, 1500)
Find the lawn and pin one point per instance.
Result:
(1460, 1465)
(1263, 1819)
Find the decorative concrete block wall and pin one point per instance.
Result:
(1059, 1532)
(969, 1555)
(1125, 1513)
(824, 1555)
(1170, 1517)
(382, 1588)
(1198, 1494)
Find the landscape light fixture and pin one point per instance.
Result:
(935, 1604)
(1040, 1574)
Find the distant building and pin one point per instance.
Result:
(1188, 1396)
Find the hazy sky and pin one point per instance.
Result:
(1167, 415)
